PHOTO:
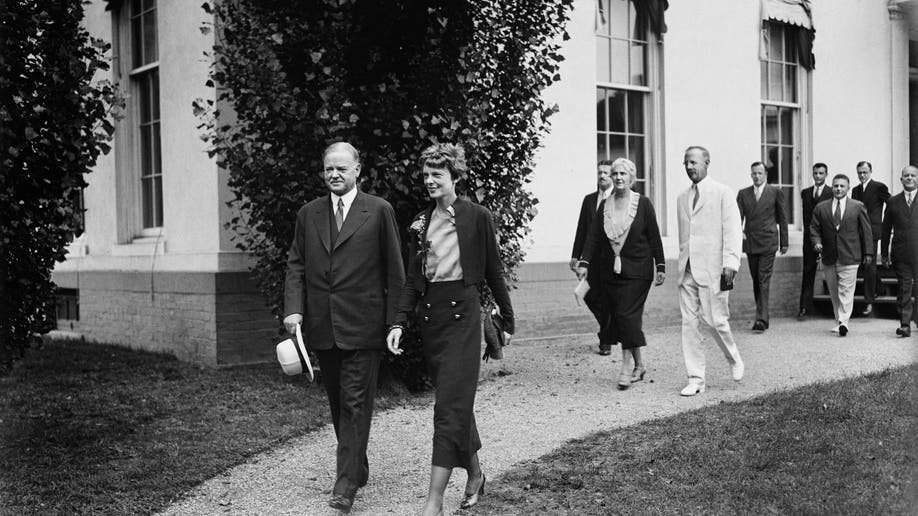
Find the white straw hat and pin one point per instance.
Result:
(293, 357)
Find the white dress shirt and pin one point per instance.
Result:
(348, 199)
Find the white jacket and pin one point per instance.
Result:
(710, 234)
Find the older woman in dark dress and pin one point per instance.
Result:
(452, 250)
(622, 256)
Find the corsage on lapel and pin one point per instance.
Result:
(419, 228)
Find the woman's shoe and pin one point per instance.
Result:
(624, 380)
(471, 500)
(638, 374)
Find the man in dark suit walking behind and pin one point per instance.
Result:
(840, 231)
(593, 299)
(901, 222)
(344, 276)
(810, 197)
(764, 215)
(874, 195)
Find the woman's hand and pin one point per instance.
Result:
(393, 339)
(582, 272)
(661, 277)
(507, 337)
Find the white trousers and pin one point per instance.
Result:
(841, 280)
(708, 305)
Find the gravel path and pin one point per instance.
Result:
(557, 389)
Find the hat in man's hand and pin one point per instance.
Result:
(293, 357)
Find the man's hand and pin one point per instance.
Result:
(783, 249)
(729, 274)
(573, 264)
(581, 272)
(818, 248)
(661, 277)
(291, 321)
(868, 260)
(885, 260)
(393, 339)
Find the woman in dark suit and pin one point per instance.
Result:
(623, 255)
(452, 249)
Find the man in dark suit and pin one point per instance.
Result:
(588, 208)
(901, 222)
(344, 276)
(840, 231)
(874, 195)
(764, 218)
(810, 197)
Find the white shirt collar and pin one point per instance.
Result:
(839, 202)
(865, 183)
(348, 199)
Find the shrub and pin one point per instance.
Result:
(391, 77)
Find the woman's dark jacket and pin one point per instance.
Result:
(641, 249)
(478, 257)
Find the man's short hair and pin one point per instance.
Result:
(822, 166)
(704, 152)
(342, 146)
(864, 163)
(841, 176)
(756, 164)
(604, 163)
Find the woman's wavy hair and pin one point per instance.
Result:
(629, 167)
(449, 157)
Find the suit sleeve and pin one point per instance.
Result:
(494, 273)
(781, 217)
(592, 240)
(739, 204)
(883, 194)
(816, 227)
(867, 239)
(581, 235)
(392, 254)
(294, 282)
(888, 223)
(732, 231)
(653, 236)
(412, 288)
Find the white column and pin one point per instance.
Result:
(898, 95)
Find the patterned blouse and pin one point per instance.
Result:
(443, 255)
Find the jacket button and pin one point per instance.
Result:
(457, 316)
(427, 305)
(452, 303)
(426, 318)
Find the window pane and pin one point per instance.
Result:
(764, 78)
(617, 147)
(146, 151)
(154, 95)
(640, 187)
(136, 43)
(775, 81)
(638, 77)
(790, 44)
(770, 114)
(144, 99)
(789, 201)
(617, 110)
(775, 38)
(135, 7)
(790, 83)
(602, 60)
(150, 53)
(600, 109)
(149, 4)
(157, 151)
(618, 18)
(787, 126)
(602, 147)
(158, 200)
(146, 187)
(635, 112)
(619, 61)
(787, 166)
(638, 32)
(636, 154)
(602, 18)
(770, 158)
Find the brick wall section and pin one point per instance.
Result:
(211, 319)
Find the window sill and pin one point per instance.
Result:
(141, 246)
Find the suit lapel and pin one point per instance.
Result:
(356, 217)
(321, 219)
(464, 227)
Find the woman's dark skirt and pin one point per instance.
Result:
(623, 300)
(450, 324)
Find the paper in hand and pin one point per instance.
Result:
(580, 291)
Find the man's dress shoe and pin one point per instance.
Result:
(904, 331)
(842, 330)
(758, 326)
(802, 314)
(692, 389)
(867, 309)
(738, 368)
(341, 502)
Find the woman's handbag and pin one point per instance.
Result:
(493, 326)
(293, 357)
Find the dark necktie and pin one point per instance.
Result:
(837, 216)
(697, 195)
(908, 199)
(815, 193)
(339, 214)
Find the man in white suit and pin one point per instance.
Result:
(710, 241)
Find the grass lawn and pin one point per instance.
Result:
(846, 447)
(92, 429)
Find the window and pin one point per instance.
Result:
(145, 92)
(67, 304)
(625, 86)
(781, 109)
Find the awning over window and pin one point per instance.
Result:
(647, 11)
(792, 12)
